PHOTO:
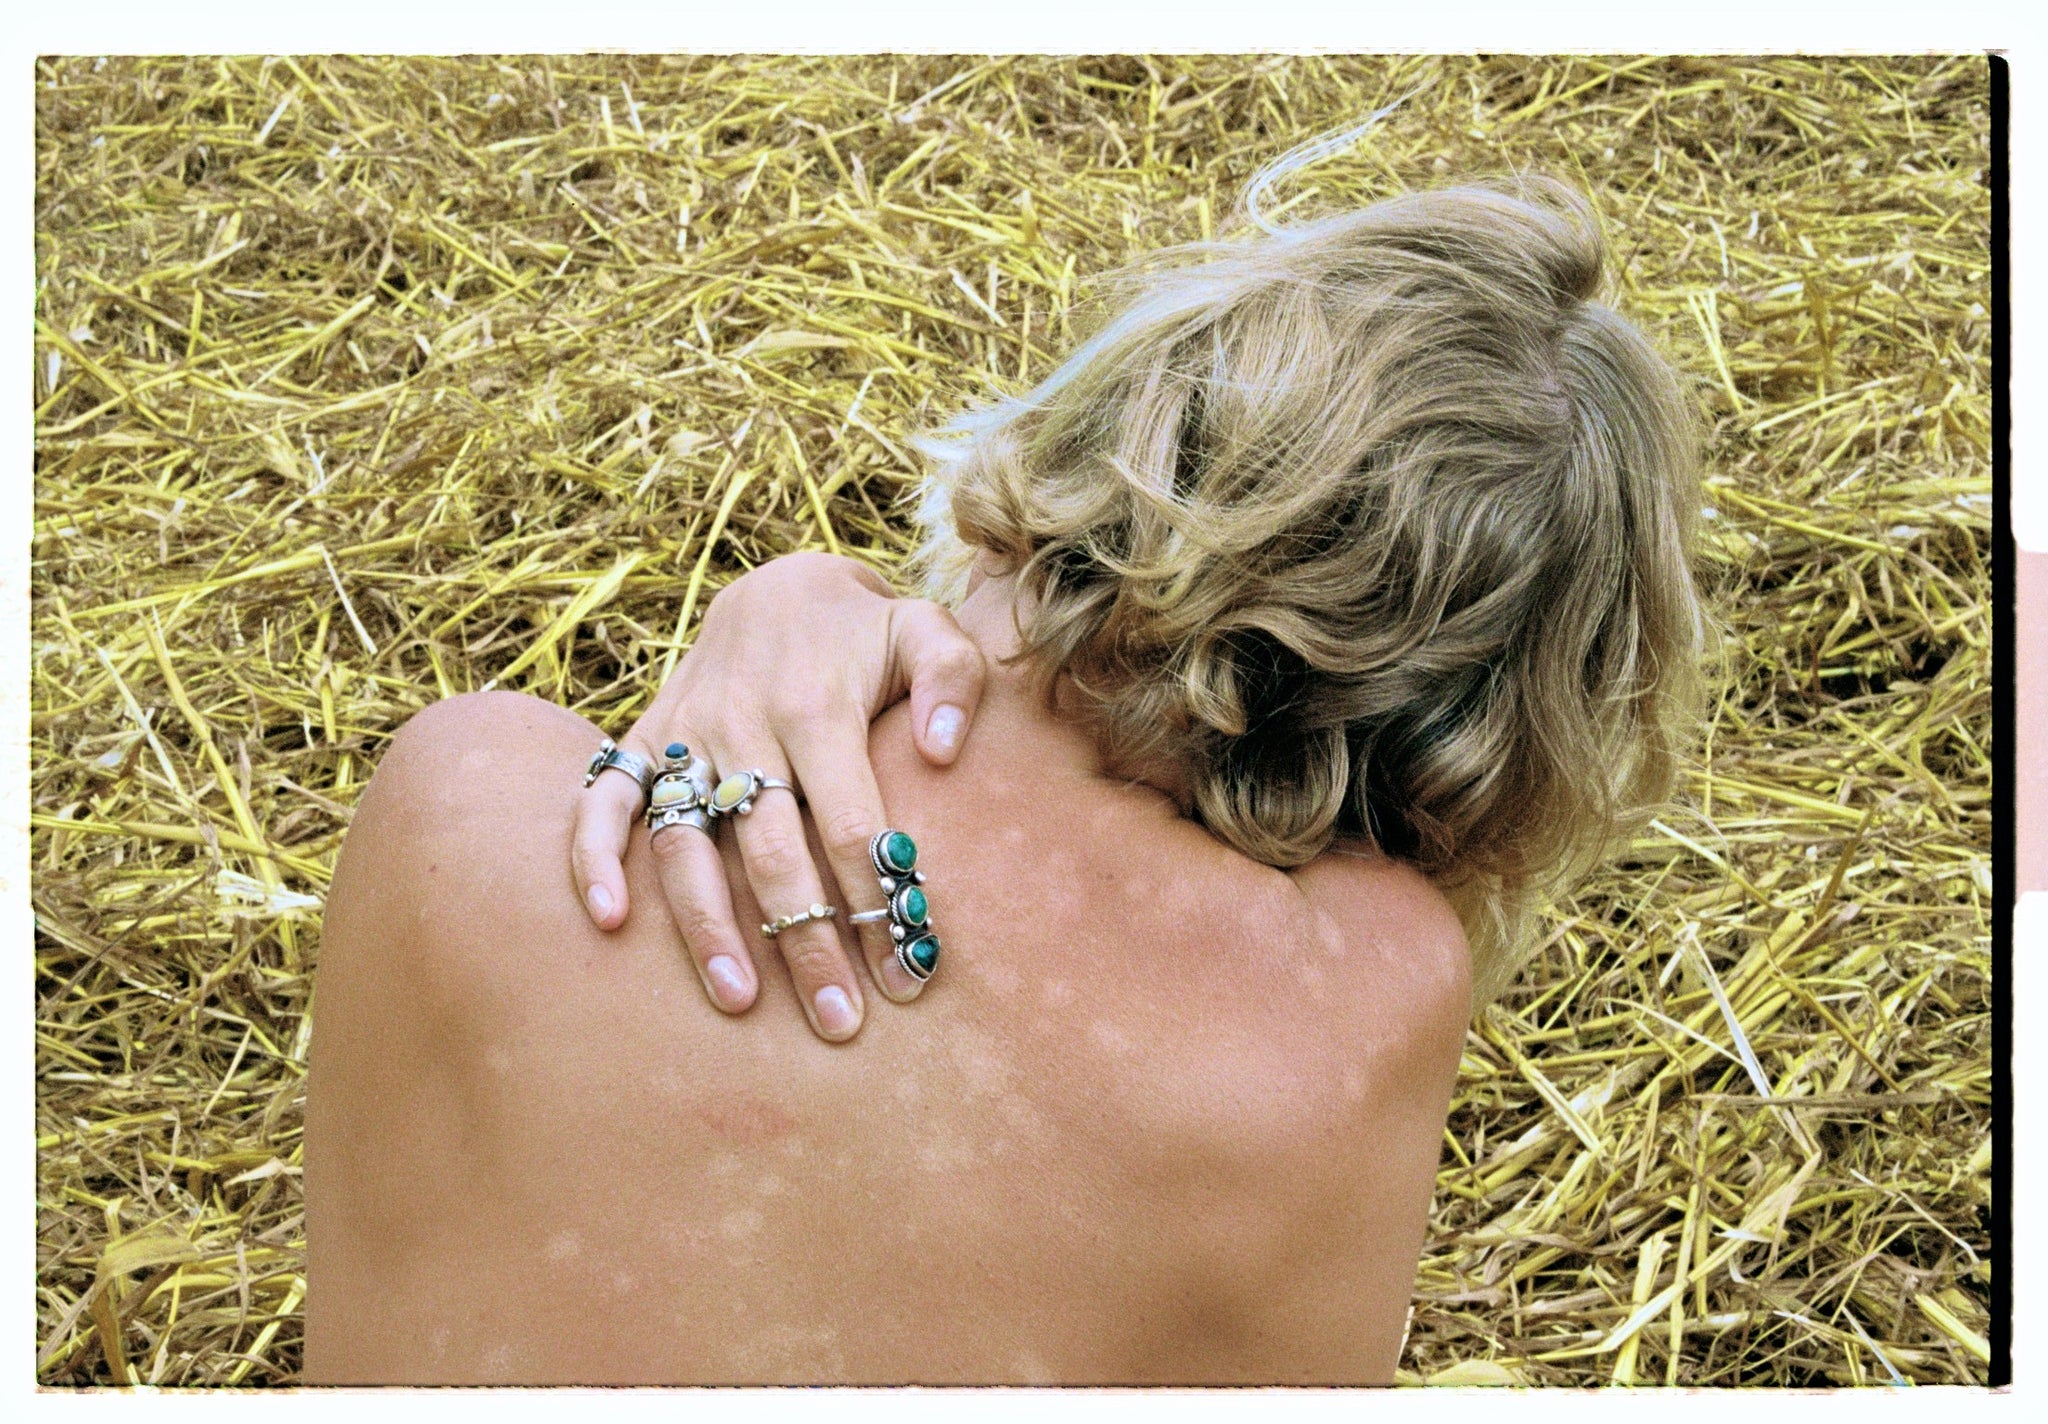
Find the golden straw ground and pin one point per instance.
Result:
(361, 383)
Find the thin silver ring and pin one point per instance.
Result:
(802, 917)
(868, 917)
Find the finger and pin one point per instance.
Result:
(699, 900)
(693, 882)
(846, 807)
(785, 882)
(604, 820)
(945, 670)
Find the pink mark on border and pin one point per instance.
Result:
(746, 1120)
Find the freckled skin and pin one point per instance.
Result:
(1163, 1115)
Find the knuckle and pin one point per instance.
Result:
(932, 620)
(938, 642)
(868, 579)
(776, 853)
(910, 623)
(960, 663)
(703, 931)
(672, 846)
(587, 858)
(812, 958)
(696, 720)
(845, 830)
(817, 718)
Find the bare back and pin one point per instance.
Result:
(1163, 1114)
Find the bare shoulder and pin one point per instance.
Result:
(1330, 1082)
(468, 1014)
(1409, 939)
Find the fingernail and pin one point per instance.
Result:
(943, 731)
(600, 902)
(728, 984)
(897, 983)
(836, 1015)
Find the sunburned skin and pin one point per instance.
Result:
(1162, 1115)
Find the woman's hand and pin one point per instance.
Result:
(792, 663)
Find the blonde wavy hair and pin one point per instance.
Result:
(1374, 525)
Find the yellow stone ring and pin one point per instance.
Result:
(681, 793)
(735, 795)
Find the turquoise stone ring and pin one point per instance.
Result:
(894, 853)
(910, 912)
(919, 957)
(909, 906)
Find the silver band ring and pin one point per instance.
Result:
(610, 756)
(693, 816)
(735, 795)
(868, 917)
(802, 917)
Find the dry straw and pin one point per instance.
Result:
(361, 383)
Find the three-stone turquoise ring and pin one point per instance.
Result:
(681, 793)
(910, 910)
(735, 795)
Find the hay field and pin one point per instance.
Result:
(361, 383)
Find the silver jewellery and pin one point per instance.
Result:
(910, 920)
(610, 756)
(694, 818)
(802, 917)
(680, 795)
(735, 795)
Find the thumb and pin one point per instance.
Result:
(945, 671)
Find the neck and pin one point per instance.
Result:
(989, 615)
